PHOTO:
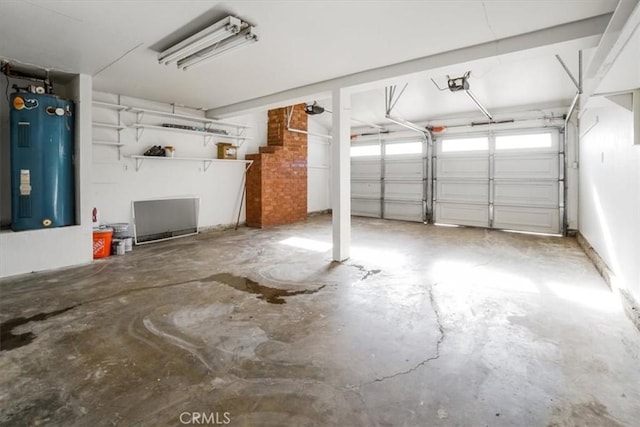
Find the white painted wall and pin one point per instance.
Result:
(609, 208)
(37, 250)
(107, 177)
(116, 182)
(610, 192)
(318, 167)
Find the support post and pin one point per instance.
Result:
(636, 116)
(341, 174)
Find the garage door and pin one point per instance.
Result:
(505, 181)
(388, 179)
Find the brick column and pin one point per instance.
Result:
(277, 180)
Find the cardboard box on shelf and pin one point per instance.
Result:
(227, 151)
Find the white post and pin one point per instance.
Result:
(341, 174)
(636, 116)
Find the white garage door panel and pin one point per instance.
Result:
(403, 211)
(462, 214)
(366, 189)
(403, 169)
(462, 191)
(402, 179)
(539, 193)
(538, 220)
(462, 167)
(541, 166)
(365, 169)
(514, 183)
(362, 207)
(410, 191)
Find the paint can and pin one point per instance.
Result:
(120, 230)
(117, 247)
(128, 244)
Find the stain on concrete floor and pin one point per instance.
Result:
(9, 340)
(432, 326)
(590, 414)
(270, 295)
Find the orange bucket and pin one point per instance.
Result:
(102, 242)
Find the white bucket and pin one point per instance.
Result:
(117, 247)
(128, 244)
(120, 230)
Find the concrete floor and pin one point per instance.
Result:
(423, 326)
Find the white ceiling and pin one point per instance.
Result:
(497, 83)
(301, 42)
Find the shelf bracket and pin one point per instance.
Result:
(138, 163)
(139, 130)
(240, 135)
(207, 137)
(206, 164)
(119, 124)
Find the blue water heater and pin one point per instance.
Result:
(42, 171)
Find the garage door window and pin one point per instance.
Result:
(520, 142)
(365, 150)
(465, 144)
(403, 148)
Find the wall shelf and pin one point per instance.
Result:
(111, 143)
(206, 123)
(184, 117)
(207, 135)
(108, 126)
(109, 105)
(119, 108)
(205, 161)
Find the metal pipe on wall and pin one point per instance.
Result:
(373, 125)
(290, 129)
(571, 109)
(428, 176)
(309, 133)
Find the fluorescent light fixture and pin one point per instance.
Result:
(244, 37)
(221, 37)
(210, 35)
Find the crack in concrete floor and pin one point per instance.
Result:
(389, 313)
(363, 269)
(424, 362)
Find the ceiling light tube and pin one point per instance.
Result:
(480, 106)
(215, 33)
(244, 37)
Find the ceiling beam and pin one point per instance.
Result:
(576, 30)
(624, 22)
